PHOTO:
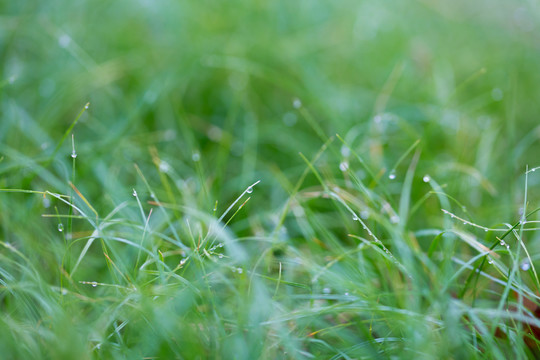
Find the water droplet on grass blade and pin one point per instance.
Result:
(164, 166)
(249, 190)
(64, 40)
(297, 104)
(525, 265)
(327, 290)
(73, 152)
(60, 227)
(344, 166)
(426, 178)
(134, 193)
(214, 133)
(392, 175)
(94, 284)
(196, 156)
(497, 94)
(289, 119)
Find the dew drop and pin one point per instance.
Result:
(392, 175)
(73, 154)
(503, 243)
(497, 94)
(220, 256)
(327, 290)
(490, 261)
(525, 265)
(64, 40)
(94, 284)
(364, 214)
(249, 190)
(289, 119)
(86, 106)
(426, 178)
(344, 166)
(355, 218)
(346, 294)
(394, 219)
(164, 166)
(240, 270)
(486, 229)
(60, 227)
(214, 133)
(297, 104)
(134, 193)
(345, 151)
(196, 156)
(233, 269)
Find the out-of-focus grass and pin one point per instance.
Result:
(151, 242)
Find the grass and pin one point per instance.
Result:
(269, 179)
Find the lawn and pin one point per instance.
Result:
(269, 179)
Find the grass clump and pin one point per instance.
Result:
(268, 180)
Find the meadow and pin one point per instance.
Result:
(269, 179)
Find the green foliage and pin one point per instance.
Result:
(269, 179)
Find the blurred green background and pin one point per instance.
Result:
(221, 79)
(209, 97)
